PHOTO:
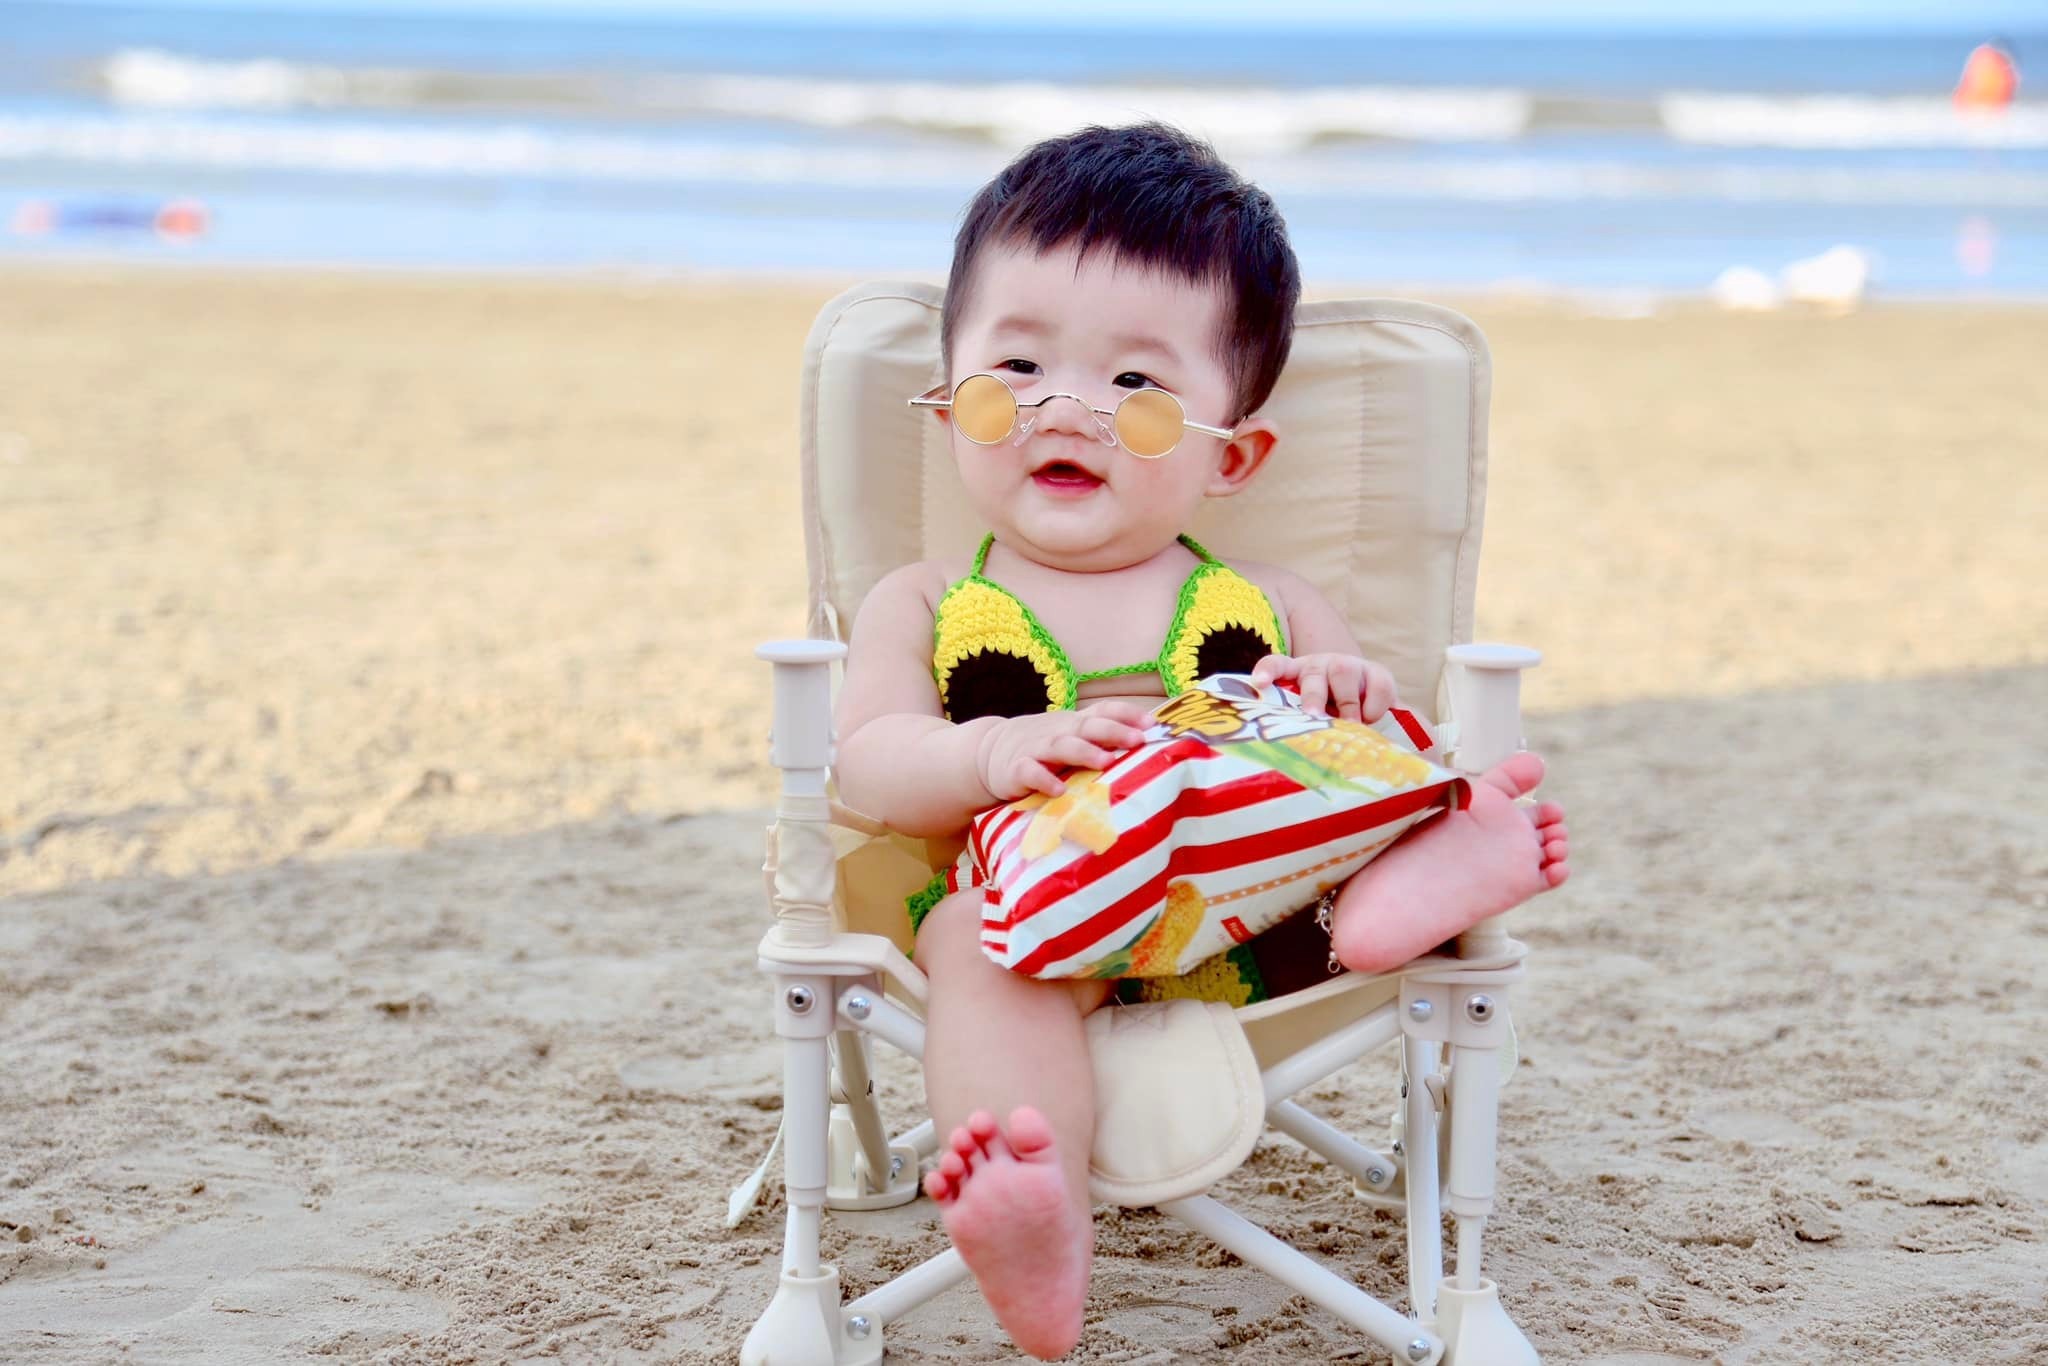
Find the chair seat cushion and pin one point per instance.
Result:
(1178, 1102)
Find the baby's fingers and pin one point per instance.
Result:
(1030, 775)
(1273, 667)
(1315, 690)
(1136, 715)
(1072, 749)
(1107, 730)
(1347, 690)
(1380, 693)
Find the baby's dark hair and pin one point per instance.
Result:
(1154, 197)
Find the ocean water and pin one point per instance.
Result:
(1401, 159)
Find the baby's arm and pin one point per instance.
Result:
(901, 762)
(1327, 665)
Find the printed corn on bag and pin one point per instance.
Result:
(1237, 810)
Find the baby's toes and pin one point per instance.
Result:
(966, 1142)
(988, 1135)
(1029, 1133)
(944, 1181)
(961, 1155)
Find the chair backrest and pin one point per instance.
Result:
(1375, 493)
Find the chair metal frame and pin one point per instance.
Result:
(833, 993)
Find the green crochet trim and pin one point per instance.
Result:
(1247, 965)
(1149, 666)
(920, 904)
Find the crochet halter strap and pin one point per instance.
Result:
(991, 656)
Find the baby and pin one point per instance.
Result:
(1133, 300)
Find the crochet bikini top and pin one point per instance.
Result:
(992, 657)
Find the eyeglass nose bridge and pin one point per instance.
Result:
(1104, 433)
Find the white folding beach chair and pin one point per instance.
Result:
(1375, 494)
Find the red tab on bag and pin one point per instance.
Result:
(1234, 927)
(1411, 726)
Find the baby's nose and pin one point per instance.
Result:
(1068, 413)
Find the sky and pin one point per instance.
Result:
(1603, 15)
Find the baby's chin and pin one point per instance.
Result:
(1090, 545)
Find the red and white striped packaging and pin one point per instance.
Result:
(1237, 810)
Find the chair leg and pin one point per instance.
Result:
(868, 1172)
(886, 1303)
(1421, 1173)
(1370, 1169)
(1475, 1327)
(803, 1324)
(1390, 1329)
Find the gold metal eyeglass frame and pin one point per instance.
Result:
(940, 397)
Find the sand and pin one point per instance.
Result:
(382, 783)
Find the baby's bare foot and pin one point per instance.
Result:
(1448, 875)
(1004, 1199)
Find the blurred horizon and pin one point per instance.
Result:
(1565, 15)
(1594, 148)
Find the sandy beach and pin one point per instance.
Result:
(383, 776)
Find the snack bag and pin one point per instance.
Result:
(1237, 810)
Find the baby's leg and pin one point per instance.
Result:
(1014, 1194)
(1448, 874)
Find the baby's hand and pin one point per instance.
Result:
(1016, 755)
(1334, 685)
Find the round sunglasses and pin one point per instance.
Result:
(1149, 422)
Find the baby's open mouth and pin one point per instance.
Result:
(1062, 476)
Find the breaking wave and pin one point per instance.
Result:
(1847, 122)
(1012, 114)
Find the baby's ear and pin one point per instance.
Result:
(1243, 454)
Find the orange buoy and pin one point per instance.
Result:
(181, 219)
(1990, 79)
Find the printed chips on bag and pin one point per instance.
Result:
(1238, 809)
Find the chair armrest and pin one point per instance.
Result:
(802, 735)
(1486, 701)
(849, 955)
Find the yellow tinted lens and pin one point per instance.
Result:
(984, 409)
(1149, 422)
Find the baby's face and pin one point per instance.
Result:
(1097, 330)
